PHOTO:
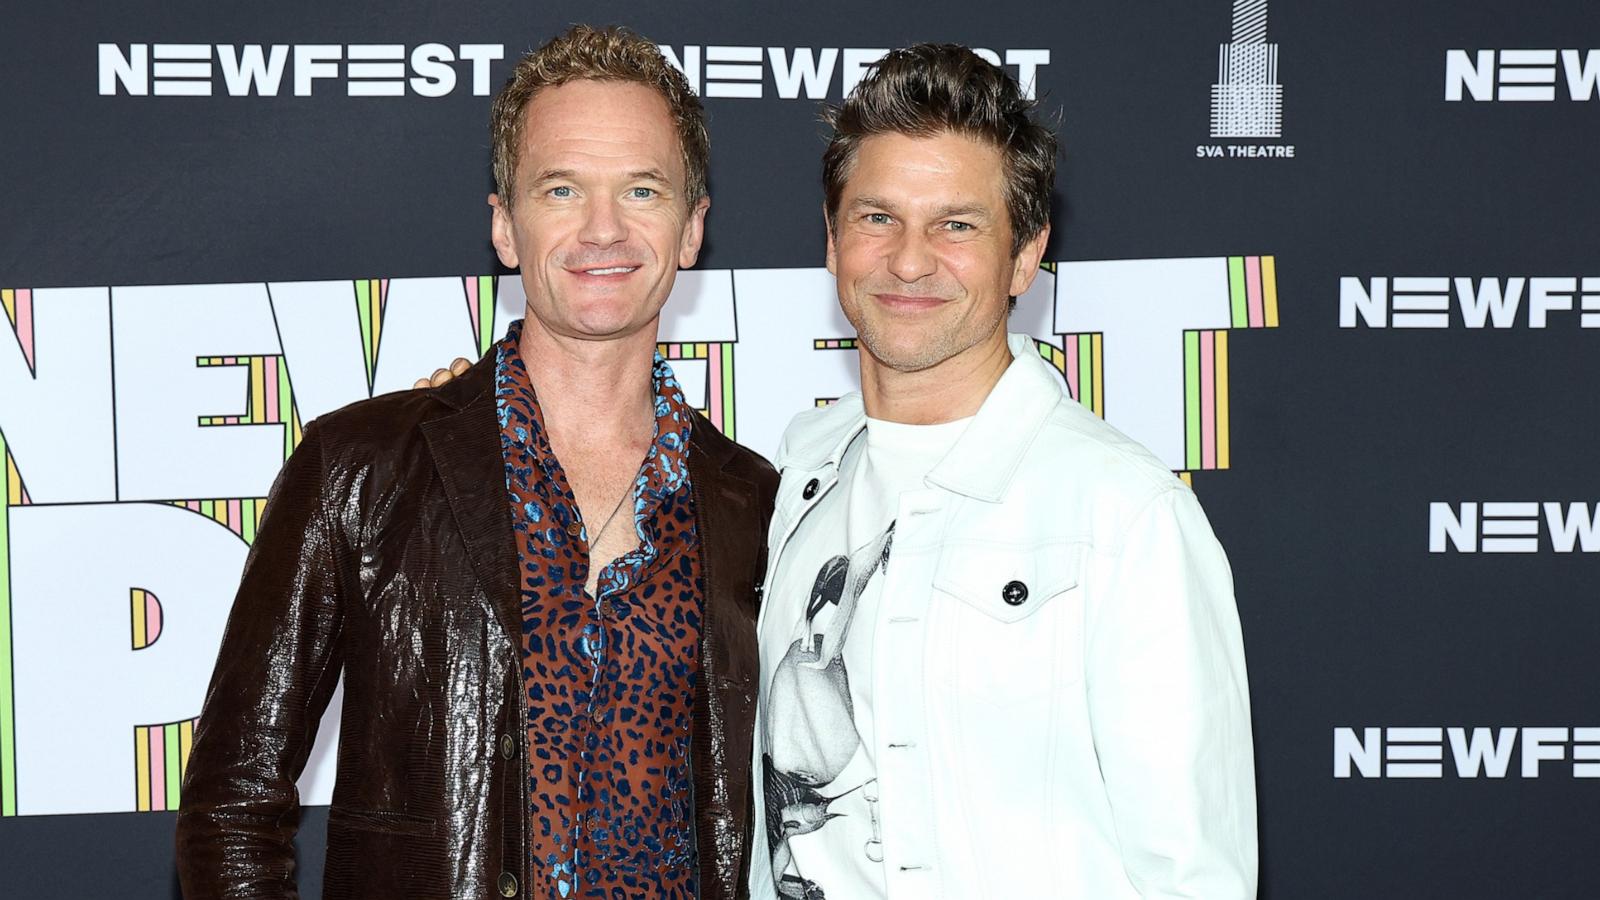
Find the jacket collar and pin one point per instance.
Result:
(465, 444)
(985, 459)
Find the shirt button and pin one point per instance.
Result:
(599, 716)
(616, 608)
(574, 528)
(508, 747)
(1014, 593)
(810, 489)
(508, 884)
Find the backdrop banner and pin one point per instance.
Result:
(1335, 263)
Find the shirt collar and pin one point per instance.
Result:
(985, 458)
(665, 468)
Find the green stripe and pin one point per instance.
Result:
(1086, 371)
(1236, 292)
(247, 512)
(207, 508)
(1191, 398)
(364, 312)
(485, 313)
(727, 391)
(8, 731)
(285, 407)
(174, 754)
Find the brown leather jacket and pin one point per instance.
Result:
(387, 555)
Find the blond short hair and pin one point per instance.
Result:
(584, 52)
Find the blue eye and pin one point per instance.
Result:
(642, 193)
(959, 226)
(562, 192)
(878, 218)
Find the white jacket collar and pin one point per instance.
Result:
(983, 462)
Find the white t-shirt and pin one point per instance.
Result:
(819, 771)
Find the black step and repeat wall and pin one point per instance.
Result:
(1337, 263)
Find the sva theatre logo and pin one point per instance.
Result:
(1247, 98)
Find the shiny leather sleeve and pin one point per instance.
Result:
(278, 664)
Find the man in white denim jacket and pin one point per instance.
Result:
(1000, 655)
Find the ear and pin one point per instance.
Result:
(502, 232)
(833, 252)
(694, 232)
(1025, 267)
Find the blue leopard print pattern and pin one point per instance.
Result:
(609, 678)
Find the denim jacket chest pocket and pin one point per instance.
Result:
(1013, 614)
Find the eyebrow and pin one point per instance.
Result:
(968, 210)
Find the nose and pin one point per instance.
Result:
(911, 258)
(603, 224)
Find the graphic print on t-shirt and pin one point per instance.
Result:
(812, 737)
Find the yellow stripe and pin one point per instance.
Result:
(261, 507)
(13, 482)
(141, 756)
(1099, 377)
(1222, 399)
(139, 642)
(258, 389)
(1188, 478)
(376, 307)
(1269, 287)
(9, 298)
(185, 741)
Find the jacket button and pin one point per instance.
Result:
(508, 884)
(508, 747)
(810, 490)
(574, 528)
(1014, 593)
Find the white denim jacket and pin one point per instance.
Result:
(1059, 679)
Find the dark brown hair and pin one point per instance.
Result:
(598, 54)
(927, 89)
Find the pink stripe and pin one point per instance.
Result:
(1208, 400)
(235, 517)
(1252, 283)
(714, 387)
(158, 770)
(472, 305)
(25, 323)
(152, 618)
(193, 505)
(271, 412)
(1072, 365)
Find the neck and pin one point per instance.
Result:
(949, 390)
(593, 391)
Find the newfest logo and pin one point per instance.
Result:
(1412, 752)
(366, 70)
(141, 427)
(1247, 99)
(809, 73)
(438, 70)
(1521, 76)
(1445, 302)
(1513, 527)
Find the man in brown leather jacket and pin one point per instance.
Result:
(540, 701)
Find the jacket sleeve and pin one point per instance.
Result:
(277, 666)
(1169, 707)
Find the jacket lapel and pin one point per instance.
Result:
(466, 450)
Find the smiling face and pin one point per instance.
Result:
(922, 249)
(598, 223)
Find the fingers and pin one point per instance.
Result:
(443, 376)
